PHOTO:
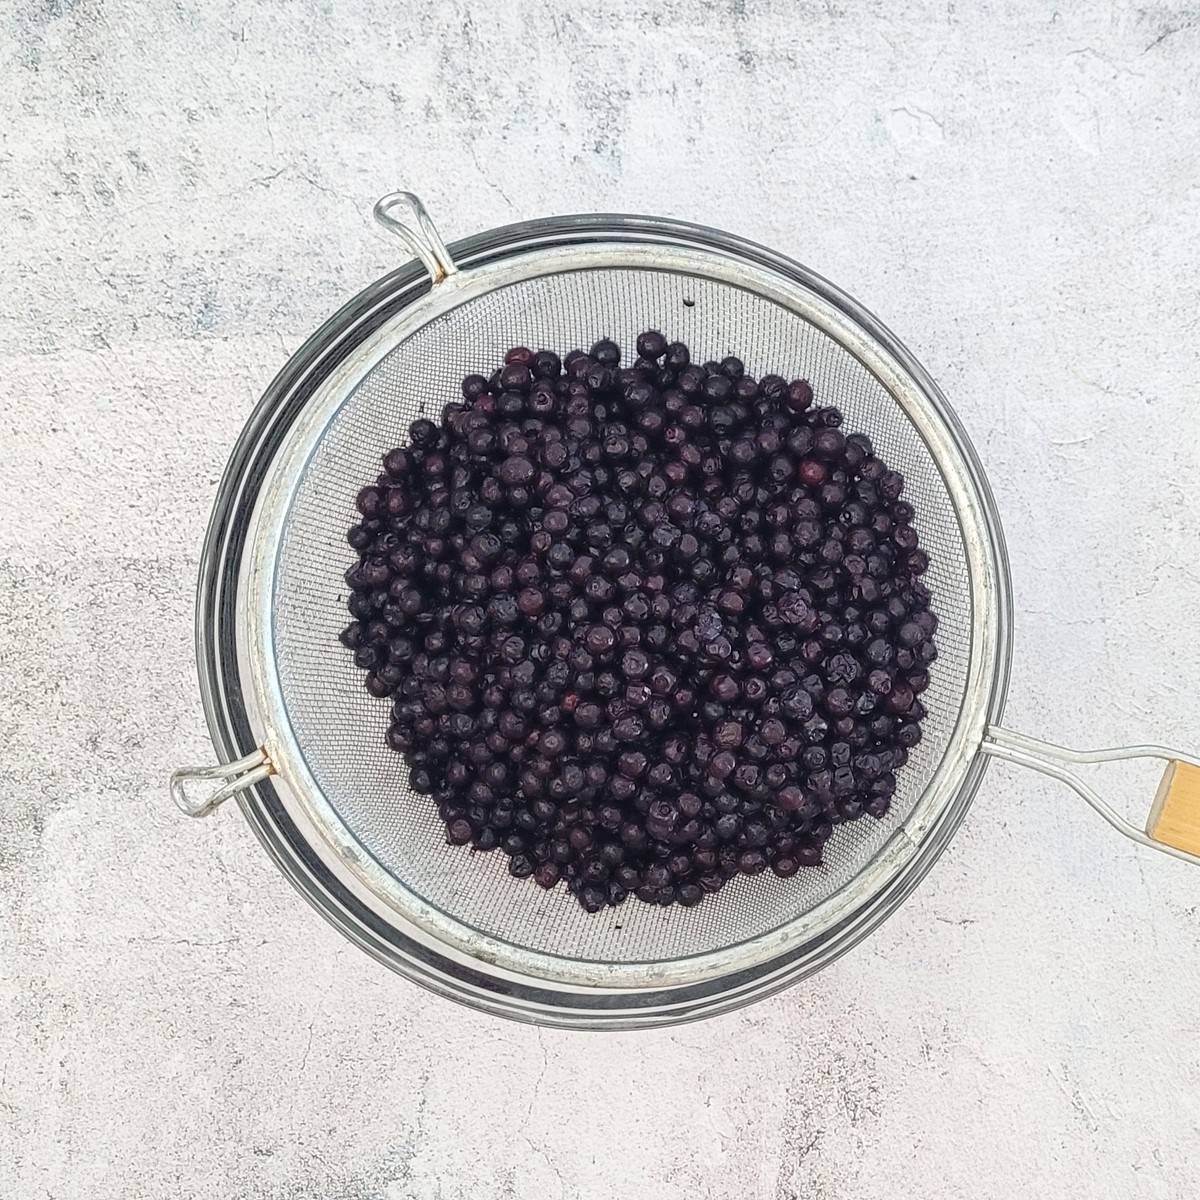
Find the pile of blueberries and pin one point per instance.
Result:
(643, 628)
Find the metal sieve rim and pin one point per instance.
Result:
(220, 636)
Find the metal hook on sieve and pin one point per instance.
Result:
(404, 215)
(239, 775)
(1173, 825)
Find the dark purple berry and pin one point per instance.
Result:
(642, 628)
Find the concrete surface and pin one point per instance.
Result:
(184, 194)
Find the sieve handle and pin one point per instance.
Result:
(404, 215)
(1173, 825)
(238, 776)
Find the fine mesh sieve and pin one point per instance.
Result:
(332, 800)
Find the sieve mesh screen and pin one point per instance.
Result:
(340, 728)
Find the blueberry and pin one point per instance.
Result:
(651, 344)
(642, 628)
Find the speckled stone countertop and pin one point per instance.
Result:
(185, 194)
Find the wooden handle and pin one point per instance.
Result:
(1175, 818)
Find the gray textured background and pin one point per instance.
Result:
(184, 194)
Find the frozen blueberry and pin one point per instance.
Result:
(642, 627)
